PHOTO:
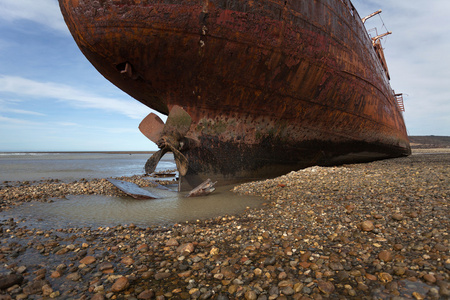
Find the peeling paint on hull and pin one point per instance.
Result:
(271, 86)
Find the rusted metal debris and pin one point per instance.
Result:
(160, 186)
(132, 189)
(204, 189)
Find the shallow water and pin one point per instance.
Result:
(406, 288)
(22, 166)
(95, 210)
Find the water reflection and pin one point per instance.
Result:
(98, 210)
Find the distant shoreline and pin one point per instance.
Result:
(429, 141)
(430, 150)
(417, 142)
(81, 152)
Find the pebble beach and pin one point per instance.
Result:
(363, 231)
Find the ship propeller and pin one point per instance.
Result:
(169, 137)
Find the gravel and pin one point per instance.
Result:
(365, 231)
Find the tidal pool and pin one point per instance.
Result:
(99, 210)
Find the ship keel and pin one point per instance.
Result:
(229, 156)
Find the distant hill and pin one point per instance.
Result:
(429, 141)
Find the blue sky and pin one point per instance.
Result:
(52, 99)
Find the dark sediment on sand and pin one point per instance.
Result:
(377, 230)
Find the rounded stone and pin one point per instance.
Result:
(397, 217)
(98, 297)
(147, 294)
(74, 276)
(162, 275)
(186, 248)
(385, 277)
(172, 242)
(120, 284)
(429, 278)
(385, 255)
(367, 226)
(398, 247)
(250, 295)
(326, 287)
(88, 260)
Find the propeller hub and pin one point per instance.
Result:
(166, 140)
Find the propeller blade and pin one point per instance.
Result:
(167, 136)
(180, 160)
(178, 122)
(153, 161)
(152, 127)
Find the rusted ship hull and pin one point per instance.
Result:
(271, 86)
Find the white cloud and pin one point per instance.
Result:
(16, 121)
(25, 112)
(69, 124)
(417, 57)
(19, 111)
(26, 87)
(44, 12)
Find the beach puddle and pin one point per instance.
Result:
(405, 289)
(99, 210)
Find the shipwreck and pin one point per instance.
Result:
(252, 89)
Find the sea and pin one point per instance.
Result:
(70, 166)
(99, 210)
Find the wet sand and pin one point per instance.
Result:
(365, 231)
